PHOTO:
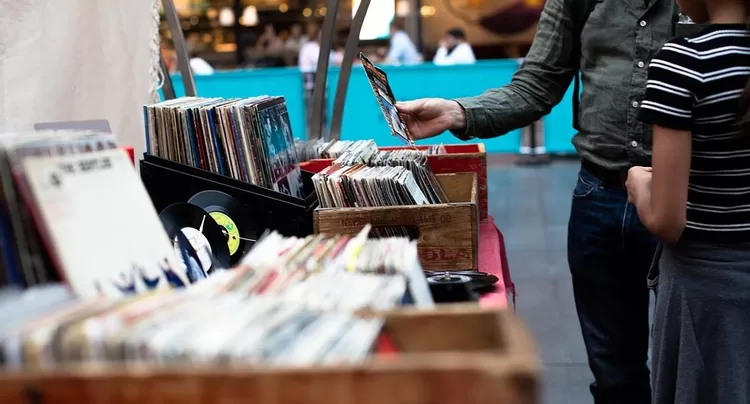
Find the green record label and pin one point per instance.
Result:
(233, 240)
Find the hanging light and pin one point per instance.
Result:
(249, 16)
(226, 17)
(403, 8)
(427, 11)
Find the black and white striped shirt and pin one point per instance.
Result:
(696, 84)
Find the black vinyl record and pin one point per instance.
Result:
(239, 231)
(197, 225)
(447, 288)
(478, 279)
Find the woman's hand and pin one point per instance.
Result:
(638, 183)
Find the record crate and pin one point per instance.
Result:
(448, 232)
(455, 354)
(458, 158)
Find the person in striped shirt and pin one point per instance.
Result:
(696, 199)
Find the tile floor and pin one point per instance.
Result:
(531, 206)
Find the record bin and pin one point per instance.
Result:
(448, 232)
(455, 354)
(168, 182)
(458, 158)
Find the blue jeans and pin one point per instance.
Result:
(609, 253)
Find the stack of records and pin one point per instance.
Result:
(319, 149)
(246, 139)
(290, 302)
(363, 176)
(182, 327)
(73, 209)
(377, 269)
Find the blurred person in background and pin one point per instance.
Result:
(296, 39)
(199, 66)
(402, 50)
(269, 41)
(308, 64)
(532, 148)
(454, 49)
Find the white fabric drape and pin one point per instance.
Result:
(63, 60)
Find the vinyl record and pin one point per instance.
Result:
(447, 288)
(239, 231)
(478, 279)
(200, 228)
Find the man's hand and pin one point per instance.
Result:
(638, 183)
(430, 117)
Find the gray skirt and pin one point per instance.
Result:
(701, 335)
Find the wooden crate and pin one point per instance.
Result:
(458, 158)
(456, 354)
(448, 233)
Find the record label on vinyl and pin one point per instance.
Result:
(238, 229)
(202, 231)
(233, 233)
(200, 244)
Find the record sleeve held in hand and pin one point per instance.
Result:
(247, 139)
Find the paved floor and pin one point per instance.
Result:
(531, 206)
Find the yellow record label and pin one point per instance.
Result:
(228, 224)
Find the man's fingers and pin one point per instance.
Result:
(407, 107)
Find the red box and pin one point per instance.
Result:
(131, 153)
(458, 158)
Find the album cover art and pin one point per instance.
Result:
(280, 149)
(387, 101)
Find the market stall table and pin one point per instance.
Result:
(493, 260)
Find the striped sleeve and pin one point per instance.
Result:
(672, 79)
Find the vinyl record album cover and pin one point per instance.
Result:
(387, 101)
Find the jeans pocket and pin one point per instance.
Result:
(585, 185)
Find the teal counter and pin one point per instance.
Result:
(362, 117)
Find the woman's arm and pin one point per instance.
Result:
(662, 206)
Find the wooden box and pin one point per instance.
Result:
(458, 158)
(448, 233)
(457, 354)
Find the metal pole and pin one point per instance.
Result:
(180, 47)
(350, 52)
(321, 72)
(167, 88)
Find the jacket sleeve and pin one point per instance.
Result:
(537, 86)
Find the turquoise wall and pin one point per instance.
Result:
(362, 117)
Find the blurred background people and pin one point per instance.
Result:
(269, 41)
(199, 65)
(532, 148)
(454, 49)
(308, 64)
(296, 39)
(402, 50)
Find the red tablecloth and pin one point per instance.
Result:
(493, 260)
